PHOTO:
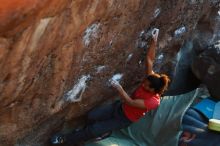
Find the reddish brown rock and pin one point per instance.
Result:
(53, 52)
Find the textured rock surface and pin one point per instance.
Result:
(53, 53)
(206, 66)
(210, 70)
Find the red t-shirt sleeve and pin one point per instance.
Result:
(152, 103)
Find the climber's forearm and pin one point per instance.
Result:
(151, 51)
(150, 56)
(139, 103)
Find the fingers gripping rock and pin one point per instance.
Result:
(155, 33)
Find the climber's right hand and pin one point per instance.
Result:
(115, 84)
(155, 33)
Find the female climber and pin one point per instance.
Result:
(129, 109)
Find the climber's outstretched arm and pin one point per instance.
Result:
(150, 56)
(139, 103)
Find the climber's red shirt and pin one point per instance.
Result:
(151, 101)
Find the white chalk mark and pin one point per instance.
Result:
(129, 57)
(160, 57)
(159, 60)
(100, 68)
(140, 62)
(142, 44)
(180, 31)
(117, 77)
(193, 2)
(91, 33)
(141, 33)
(75, 94)
(217, 47)
(156, 13)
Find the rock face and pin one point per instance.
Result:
(56, 57)
(206, 66)
(210, 70)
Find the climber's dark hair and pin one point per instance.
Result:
(158, 82)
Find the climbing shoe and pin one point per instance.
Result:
(58, 139)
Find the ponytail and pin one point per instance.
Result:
(164, 79)
(158, 82)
